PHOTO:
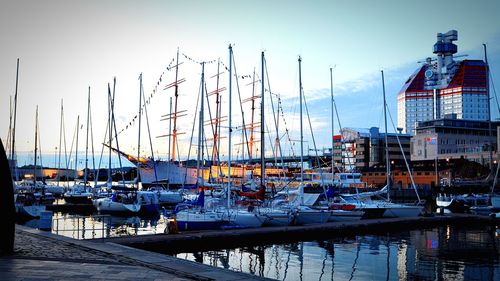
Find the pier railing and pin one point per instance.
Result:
(82, 227)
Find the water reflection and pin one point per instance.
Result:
(98, 226)
(442, 253)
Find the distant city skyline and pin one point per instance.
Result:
(65, 47)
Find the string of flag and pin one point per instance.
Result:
(131, 123)
(198, 62)
(171, 66)
(214, 61)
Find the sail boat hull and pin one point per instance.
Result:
(495, 201)
(195, 220)
(402, 211)
(245, 219)
(167, 172)
(311, 216)
(107, 205)
(343, 215)
(276, 217)
(33, 211)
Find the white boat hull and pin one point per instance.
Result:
(106, 205)
(342, 215)
(276, 217)
(195, 220)
(167, 172)
(170, 197)
(245, 219)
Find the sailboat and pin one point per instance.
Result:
(149, 200)
(241, 218)
(393, 209)
(29, 203)
(80, 193)
(278, 212)
(122, 200)
(305, 214)
(196, 216)
(170, 172)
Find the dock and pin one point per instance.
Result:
(191, 241)
(40, 255)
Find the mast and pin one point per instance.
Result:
(174, 132)
(230, 124)
(169, 130)
(12, 151)
(76, 147)
(489, 109)
(252, 122)
(60, 143)
(9, 134)
(215, 150)
(110, 134)
(85, 175)
(200, 127)
(262, 126)
(301, 190)
(333, 123)
(36, 144)
(114, 128)
(139, 133)
(387, 163)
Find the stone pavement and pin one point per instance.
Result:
(44, 256)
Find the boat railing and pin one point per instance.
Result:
(79, 227)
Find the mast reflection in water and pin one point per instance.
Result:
(443, 253)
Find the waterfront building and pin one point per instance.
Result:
(443, 86)
(364, 149)
(451, 138)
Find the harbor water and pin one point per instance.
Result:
(448, 252)
(442, 253)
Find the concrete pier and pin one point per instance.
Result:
(44, 256)
(208, 240)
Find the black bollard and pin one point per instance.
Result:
(6, 205)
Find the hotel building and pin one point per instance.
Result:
(443, 86)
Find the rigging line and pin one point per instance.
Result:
(39, 147)
(71, 149)
(64, 137)
(314, 143)
(102, 152)
(60, 148)
(114, 127)
(270, 141)
(276, 123)
(280, 104)
(92, 139)
(149, 133)
(211, 125)
(342, 144)
(219, 171)
(402, 153)
(7, 144)
(192, 132)
(241, 107)
(494, 90)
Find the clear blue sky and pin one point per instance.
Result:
(66, 46)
